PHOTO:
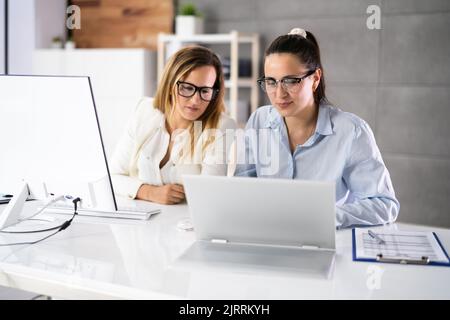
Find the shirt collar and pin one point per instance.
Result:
(323, 127)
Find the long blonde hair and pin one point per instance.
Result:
(180, 65)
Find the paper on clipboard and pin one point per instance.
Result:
(399, 245)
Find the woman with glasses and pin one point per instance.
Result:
(301, 136)
(180, 131)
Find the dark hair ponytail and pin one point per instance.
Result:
(307, 51)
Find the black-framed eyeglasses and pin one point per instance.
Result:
(187, 90)
(290, 84)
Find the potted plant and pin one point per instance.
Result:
(56, 42)
(70, 44)
(189, 20)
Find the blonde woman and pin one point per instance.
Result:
(180, 131)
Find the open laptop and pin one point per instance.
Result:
(270, 223)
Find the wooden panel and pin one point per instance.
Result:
(123, 24)
(86, 3)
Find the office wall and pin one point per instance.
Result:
(50, 20)
(21, 36)
(2, 36)
(32, 24)
(397, 78)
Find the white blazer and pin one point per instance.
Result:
(144, 144)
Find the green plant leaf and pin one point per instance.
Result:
(188, 9)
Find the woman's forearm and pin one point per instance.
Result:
(146, 192)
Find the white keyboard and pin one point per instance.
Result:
(127, 209)
(136, 206)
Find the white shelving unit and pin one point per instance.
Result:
(234, 39)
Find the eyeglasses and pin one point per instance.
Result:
(187, 90)
(290, 84)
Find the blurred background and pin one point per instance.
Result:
(395, 75)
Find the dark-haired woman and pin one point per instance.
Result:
(301, 136)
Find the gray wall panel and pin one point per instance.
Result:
(415, 6)
(414, 120)
(416, 49)
(422, 186)
(358, 100)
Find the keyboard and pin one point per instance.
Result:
(127, 209)
(136, 206)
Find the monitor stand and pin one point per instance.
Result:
(11, 214)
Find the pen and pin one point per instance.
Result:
(377, 237)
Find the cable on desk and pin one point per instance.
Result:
(48, 203)
(33, 231)
(61, 227)
(45, 206)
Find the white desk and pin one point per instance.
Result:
(134, 260)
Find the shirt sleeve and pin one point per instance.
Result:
(245, 161)
(371, 199)
(125, 185)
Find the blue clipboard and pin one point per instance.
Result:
(401, 261)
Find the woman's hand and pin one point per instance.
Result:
(166, 194)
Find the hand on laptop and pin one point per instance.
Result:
(166, 194)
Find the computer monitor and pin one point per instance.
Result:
(51, 143)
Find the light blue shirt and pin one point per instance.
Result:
(342, 149)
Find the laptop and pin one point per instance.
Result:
(253, 223)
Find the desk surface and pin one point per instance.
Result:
(98, 259)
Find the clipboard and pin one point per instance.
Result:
(380, 258)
